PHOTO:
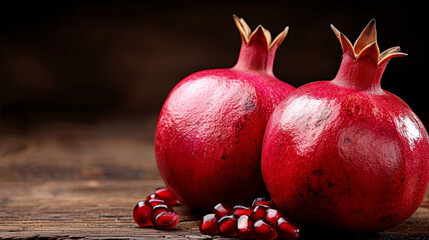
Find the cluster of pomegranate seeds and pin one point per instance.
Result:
(262, 220)
(157, 210)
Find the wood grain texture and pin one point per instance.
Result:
(82, 181)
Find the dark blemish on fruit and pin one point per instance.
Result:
(248, 103)
(318, 172)
(312, 191)
(223, 157)
(347, 140)
(402, 180)
(330, 185)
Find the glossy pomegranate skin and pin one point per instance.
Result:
(209, 134)
(346, 154)
(344, 158)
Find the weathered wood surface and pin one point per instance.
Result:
(62, 181)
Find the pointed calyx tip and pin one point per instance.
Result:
(260, 32)
(366, 45)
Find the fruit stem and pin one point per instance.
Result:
(257, 48)
(256, 57)
(362, 75)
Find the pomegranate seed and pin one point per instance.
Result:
(153, 196)
(208, 224)
(258, 212)
(157, 210)
(245, 227)
(272, 215)
(168, 196)
(287, 230)
(154, 202)
(240, 210)
(222, 209)
(227, 226)
(166, 220)
(263, 201)
(141, 213)
(264, 230)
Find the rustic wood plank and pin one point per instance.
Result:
(66, 180)
(103, 209)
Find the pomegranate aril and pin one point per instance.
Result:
(258, 212)
(227, 226)
(168, 196)
(264, 230)
(142, 212)
(287, 230)
(155, 201)
(222, 209)
(153, 196)
(240, 210)
(245, 227)
(208, 225)
(263, 201)
(158, 209)
(166, 220)
(272, 215)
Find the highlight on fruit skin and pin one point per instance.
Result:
(357, 155)
(208, 137)
(366, 45)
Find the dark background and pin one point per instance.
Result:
(89, 60)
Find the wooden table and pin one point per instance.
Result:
(63, 180)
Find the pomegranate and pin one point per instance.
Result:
(346, 154)
(209, 133)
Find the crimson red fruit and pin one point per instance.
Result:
(265, 230)
(208, 225)
(272, 215)
(245, 228)
(345, 153)
(259, 221)
(153, 196)
(165, 194)
(212, 123)
(263, 201)
(240, 210)
(141, 213)
(227, 226)
(166, 220)
(157, 209)
(258, 212)
(222, 209)
(287, 230)
(154, 202)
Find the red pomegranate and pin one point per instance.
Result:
(346, 154)
(209, 134)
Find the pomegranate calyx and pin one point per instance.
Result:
(366, 45)
(259, 34)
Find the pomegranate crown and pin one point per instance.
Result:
(259, 33)
(366, 45)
